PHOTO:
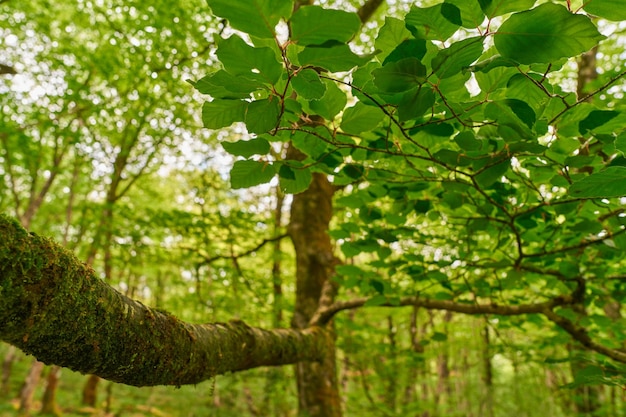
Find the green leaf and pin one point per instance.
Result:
(545, 34)
(608, 9)
(511, 126)
(246, 174)
(439, 337)
(241, 59)
(217, 114)
(247, 148)
(294, 178)
(415, 48)
(596, 118)
(471, 14)
(605, 184)
(255, 17)
(332, 57)
(459, 55)
(333, 101)
(620, 143)
(314, 25)
(490, 175)
(361, 118)
(415, 103)
(262, 115)
(431, 22)
(377, 300)
(399, 76)
(392, 34)
(467, 141)
(308, 84)
(499, 7)
(221, 84)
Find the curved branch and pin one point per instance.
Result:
(580, 335)
(54, 307)
(324, 315)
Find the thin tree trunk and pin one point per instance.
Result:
(49, 404)
(7, 366)
(392, 380)
(90, 391)
(30, 385)
(487, 408)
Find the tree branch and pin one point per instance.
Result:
(580, 335)
(54, 307)
(6, 69)
(324, 315)
(368, 8)
(210, 259)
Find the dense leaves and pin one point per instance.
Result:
(468, 170)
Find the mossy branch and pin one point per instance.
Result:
(54, 307)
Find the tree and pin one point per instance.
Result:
(455, 170)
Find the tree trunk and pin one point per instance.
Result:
(90, 391)
(7, 366)
(49, 404)
(28, 389)
(311, 212)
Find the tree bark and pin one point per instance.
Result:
(54, 307)
(311, 212)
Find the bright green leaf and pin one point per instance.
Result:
(247, 148)
(608, 9)
(459, 55)
(332, 57)
(620, 142)
(314, 25)
(400, 75)
(333, 101)
(545, 34)
(262, 115)
(308, 84)
(294, 179)
(221, 84)
(392, 34)
(430, 22)
(217, 114)
(605, 184)
(241, 59)
(361, 118)
(471, 14)
(499, 7)
(247, 173)
(255, 17)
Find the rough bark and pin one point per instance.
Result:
(311, 212)
(54, 307)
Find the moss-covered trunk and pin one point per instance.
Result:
(55, 308)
